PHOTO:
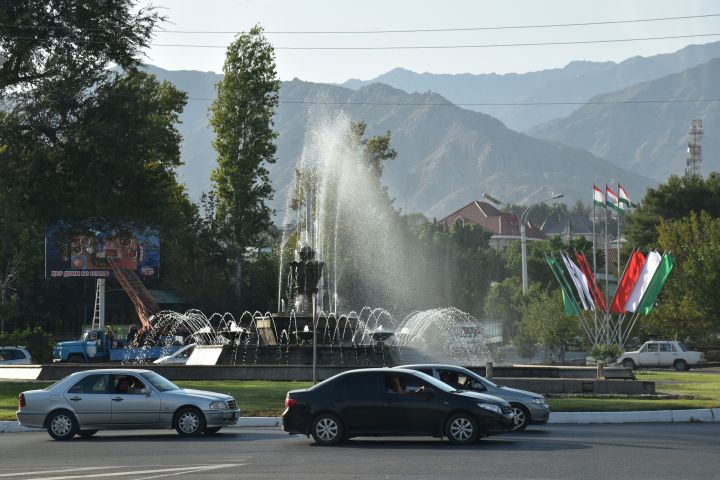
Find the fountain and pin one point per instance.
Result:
(347, 248)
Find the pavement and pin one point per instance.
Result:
(706, 415)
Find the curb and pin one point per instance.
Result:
(705, 415)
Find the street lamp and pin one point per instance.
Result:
(523, 239)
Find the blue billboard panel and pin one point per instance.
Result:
(85, 254)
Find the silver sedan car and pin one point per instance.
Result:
(84, 402)
(528, 407)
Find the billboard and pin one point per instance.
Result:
(85, 253)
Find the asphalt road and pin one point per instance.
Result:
(625, 451)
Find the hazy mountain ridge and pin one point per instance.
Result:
(576, 82)
(448, 156)
(647, 137)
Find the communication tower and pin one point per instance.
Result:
(694, 158)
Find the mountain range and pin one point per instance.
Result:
(634, 129)
(575, 84)
(649, 138)
(447, 156)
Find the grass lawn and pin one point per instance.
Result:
(260, 398)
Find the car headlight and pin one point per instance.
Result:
(491, 407)
(218, 405)
(538, 400)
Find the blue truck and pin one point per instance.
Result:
(95, 346)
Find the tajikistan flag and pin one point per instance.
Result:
(598, 197)
(612, 200)
(624, 198)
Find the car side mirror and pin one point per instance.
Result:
(477, 386)
(146, 391)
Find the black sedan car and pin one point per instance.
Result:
(392, 402)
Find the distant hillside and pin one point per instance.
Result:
(447, 156)
(648, 138)
(576, 82)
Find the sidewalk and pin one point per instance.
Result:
(657, 416)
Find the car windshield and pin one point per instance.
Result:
(160, 382)
(477, 377)
(433, 381)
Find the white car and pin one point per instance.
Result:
(14, 356)
(177, 358)
(658, 353)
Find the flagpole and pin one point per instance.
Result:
(618, 234)
(594, 248)
(606, 247)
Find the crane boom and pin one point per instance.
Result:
(145, 304)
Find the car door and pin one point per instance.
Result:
(649, 355)
(667, 354)
(90, 400)
(137, 405)
(412, 405)
(359, 401)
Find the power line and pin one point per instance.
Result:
(483, 104)
(421, 47)
(416, 30)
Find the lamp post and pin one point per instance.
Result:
(523, 238)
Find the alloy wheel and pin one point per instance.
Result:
(461, 429)
(326, 429)
(61, 425)
(189, 422)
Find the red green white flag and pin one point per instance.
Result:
(598, 197)
(612, 200)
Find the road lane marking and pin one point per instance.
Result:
(183, 469)
(39, 471)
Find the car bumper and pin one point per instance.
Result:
(539, 414)
(222, 418)
(293, 423)
(31, 419)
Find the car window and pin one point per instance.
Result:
(666, 347)
(401, 383)
(186, 353)
(357, 386)
(682, 347)
(159, 382)
(128, 385)
(96, 384)
(652, 347)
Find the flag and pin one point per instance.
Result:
(648, 271)
(592, 283)
(581, 284)
(628, 281)
(598, 197)
(623, 197)
(656, 284)
(612, 200)
(571, 306)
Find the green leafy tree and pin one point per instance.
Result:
(688, 308)
(242, 118)
(544, 321)
(672, 200)
(44, 39)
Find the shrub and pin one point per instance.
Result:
(606, 352)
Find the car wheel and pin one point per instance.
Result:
(86, 433)
(681, 366)
(75, 358)
(212, 430)
(189, 422)
(521, 417)
(461, 429)
(628, 363)
(61, 425)
(327, 429)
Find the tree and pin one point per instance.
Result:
(242, 118)
(43, 39)
(544, 321)
(671, 201)
(689, 307)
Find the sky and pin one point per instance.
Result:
(337, 66)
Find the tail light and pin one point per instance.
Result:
(289, 402)
(21, 400)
